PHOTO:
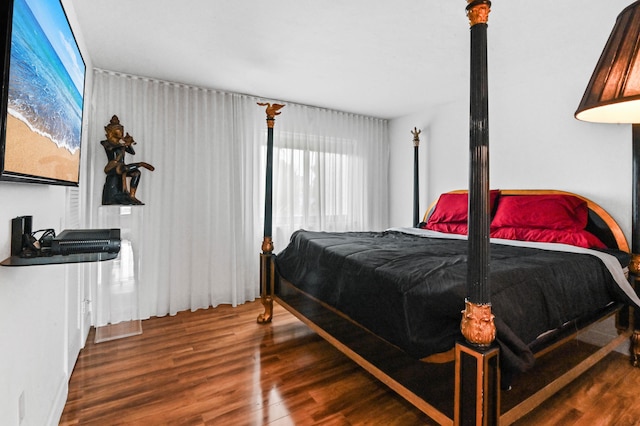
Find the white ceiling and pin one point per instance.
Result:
(365, 56)
(372, 57)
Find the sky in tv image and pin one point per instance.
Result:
(46, 74)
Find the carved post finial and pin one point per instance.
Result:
(416, 136)
(634, 263)
(477, 325)
(478, 11)
(272, 111)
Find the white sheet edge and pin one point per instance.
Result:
(612, 264)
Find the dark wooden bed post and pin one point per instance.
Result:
(634, 264)
(477, 374)
(478, 265)
(416, 180)
(267, 268)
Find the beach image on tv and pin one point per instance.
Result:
(46, 87)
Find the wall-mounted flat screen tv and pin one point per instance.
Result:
(43, 77)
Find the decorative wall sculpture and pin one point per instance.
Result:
(119, 173)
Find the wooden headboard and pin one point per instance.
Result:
(600, 222)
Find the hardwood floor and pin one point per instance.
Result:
(219, 367)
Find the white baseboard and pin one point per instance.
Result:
(59, 402)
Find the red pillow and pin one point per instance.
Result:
(546, 211)
(579, 238)
(449, 228)
(453, 208)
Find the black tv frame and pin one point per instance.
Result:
(6, 23)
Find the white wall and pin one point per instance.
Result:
(39, 306)
(535, 142)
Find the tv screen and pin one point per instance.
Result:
(42, 94)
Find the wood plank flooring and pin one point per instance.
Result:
(219, 367)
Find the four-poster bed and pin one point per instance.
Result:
(391, 301)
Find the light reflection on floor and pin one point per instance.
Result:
(266, 394)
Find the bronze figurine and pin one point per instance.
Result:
(116, 146)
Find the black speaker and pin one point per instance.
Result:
(20, 226)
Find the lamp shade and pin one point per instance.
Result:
(613, 93)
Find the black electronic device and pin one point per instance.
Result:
(26, 243)
(20, 227)
(43, 247)
(75, 241)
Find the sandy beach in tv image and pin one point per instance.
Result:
(33, 154)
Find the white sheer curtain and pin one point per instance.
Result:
(204, 203)
(330, 172)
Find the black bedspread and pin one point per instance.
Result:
(410, 290)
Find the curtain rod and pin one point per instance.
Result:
(257, 98)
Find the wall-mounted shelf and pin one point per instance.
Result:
(70, 246)
(57, 259)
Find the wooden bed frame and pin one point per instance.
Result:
(467, 389)
(432, 386)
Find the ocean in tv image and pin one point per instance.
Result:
(46, 75)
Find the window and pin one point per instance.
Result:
(313, 186)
